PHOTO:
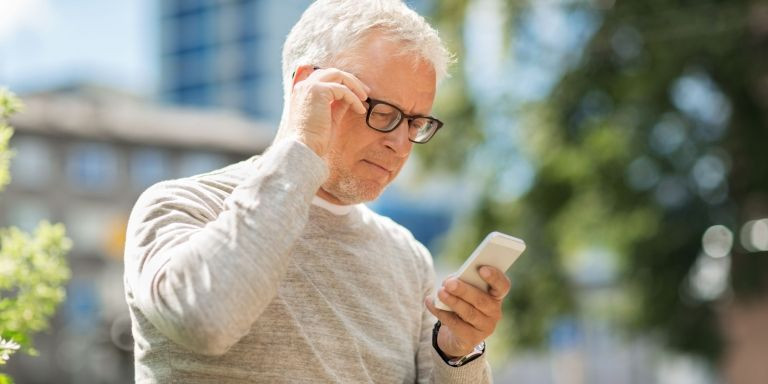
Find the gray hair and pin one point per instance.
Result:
(328, 28)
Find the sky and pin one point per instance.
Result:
(45, 43)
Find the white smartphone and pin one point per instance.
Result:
(496, 250)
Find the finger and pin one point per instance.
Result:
(346, 78)
(499, 282)
(452, 321)
(448, 318)
(467, 312)
(340, 92)
(351, 81)
(481, 300)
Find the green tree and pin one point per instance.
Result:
(655, 134)
(33, 268)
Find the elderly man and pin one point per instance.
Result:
(271, 270)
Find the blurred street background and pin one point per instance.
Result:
(626, 141)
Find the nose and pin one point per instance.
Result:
(397, 139)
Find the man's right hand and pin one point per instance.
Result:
(319, 99)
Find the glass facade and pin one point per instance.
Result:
(92, 167)
(196, 163)
(32, 162)
(226, 54)
(149, 166)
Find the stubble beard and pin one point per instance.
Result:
(345, 186)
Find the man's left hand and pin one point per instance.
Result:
(476, 312)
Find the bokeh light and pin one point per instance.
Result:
(754, 235)
(717, 241)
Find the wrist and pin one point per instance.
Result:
(311, 144)
(449, 348)
(303, 139)
(455, 361)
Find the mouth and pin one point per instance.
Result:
(381, 167)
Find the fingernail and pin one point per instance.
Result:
(485, 272)
(451, 285)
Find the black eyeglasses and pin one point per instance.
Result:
(385, 117)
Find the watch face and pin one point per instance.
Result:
(459, 361)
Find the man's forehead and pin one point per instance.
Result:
(402, 88)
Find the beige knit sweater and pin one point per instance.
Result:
(235, 276)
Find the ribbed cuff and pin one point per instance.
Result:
(476, 371)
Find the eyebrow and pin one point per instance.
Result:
(401, 108)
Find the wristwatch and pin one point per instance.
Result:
(456, 361)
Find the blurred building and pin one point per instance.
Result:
(226, 53)
(83, 156)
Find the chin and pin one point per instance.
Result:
(355, 191)
(371, 190)
(371, 196)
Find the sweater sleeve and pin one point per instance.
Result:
(431, 367)
(202, 273)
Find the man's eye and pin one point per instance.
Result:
(381, 115)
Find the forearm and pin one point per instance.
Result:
(204, 285)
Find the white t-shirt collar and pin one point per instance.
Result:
(338, 210)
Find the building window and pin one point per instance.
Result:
(254, 61)
(92, 166)
(26, 214)
(228, 95)
(88, 226)
(182, 7)
(192, 68)
(199, 96)
(251, 100)
(201, 162)
(32, 164)
(252, 12)
(256, 100)
(148, 166)
(193, 30)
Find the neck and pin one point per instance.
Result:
(332, 205)
(322, 193)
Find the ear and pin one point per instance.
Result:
(301, 73)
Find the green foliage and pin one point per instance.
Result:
(9, 105)
(33, 269)
(601, 120)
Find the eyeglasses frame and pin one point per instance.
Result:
(372, 102)
(403, 116)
